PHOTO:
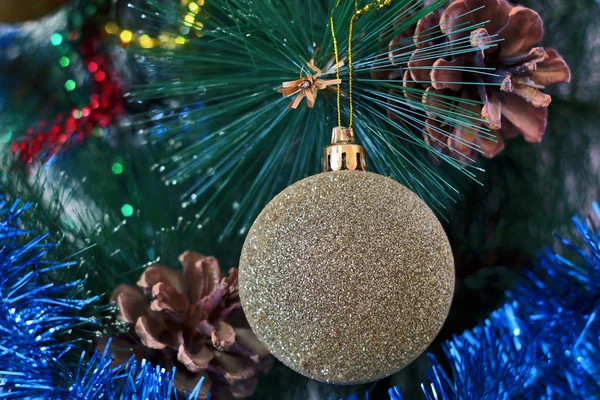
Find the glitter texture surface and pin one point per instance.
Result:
(346, 276)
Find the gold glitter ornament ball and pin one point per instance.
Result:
(346, 276)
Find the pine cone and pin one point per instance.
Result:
(514, 73)
(184, 325)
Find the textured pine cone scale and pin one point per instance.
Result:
(497, 83)
(192, 320)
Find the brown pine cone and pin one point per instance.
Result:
(180, 320)
(495, 69)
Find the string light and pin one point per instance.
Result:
(127, 210)
(146, 42)
(70, 85)
(117, 168)
(163, 40)
(5, 138)
(97, 132)
(126, 36)
(56, 39)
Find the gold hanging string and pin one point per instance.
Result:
(337, 66)
(310, 85)
(372, 6)
(350, 66)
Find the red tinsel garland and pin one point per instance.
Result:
(48, 137)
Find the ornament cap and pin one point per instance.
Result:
(343, 153)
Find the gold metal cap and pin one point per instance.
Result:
(343, 153)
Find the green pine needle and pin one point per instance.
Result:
(234, 144)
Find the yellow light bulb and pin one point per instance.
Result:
(189, 19)
(111, 28)
(126, 36)
(146, 42)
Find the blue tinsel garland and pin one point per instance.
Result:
(35, 312)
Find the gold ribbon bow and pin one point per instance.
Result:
(309, 85)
